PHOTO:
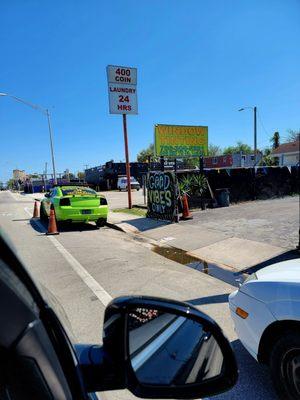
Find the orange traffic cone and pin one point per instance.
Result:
(35, 210)
(52, 228)
(186, 212)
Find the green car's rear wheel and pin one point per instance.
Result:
(101, 222)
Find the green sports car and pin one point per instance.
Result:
(75, 204)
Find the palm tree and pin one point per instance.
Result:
(275, 140)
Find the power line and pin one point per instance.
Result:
(262, 124)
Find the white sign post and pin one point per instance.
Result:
(122, 96)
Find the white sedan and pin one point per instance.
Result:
(266, 315)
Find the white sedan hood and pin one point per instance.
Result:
(286, 271)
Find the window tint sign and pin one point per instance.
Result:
(162, 196)
(180, 140)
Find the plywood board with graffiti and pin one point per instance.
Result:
(162, 192)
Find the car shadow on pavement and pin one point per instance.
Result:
(218, 298)
(42, 226)
(288, 255)
(38, 225)
(254, 380)
(77, 227)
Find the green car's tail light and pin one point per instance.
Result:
(103, 201)
(64, 202)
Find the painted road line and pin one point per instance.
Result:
(95, 287)
(140, 359)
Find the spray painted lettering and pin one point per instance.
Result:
(162, 195)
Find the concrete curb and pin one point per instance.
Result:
(122, 227)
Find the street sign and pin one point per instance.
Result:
(122, 96)
(122, 91)
(180, 140)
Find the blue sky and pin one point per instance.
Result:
(198, 62)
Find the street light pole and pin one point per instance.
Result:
(51, 146)
(255, 132)
(45, 112)
(255, 126)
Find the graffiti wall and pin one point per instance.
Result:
(162, 196)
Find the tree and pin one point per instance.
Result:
(294, 135)
(68, 175)
(214, 150)
(11, 184)
(275, 140)
(34, 176)
(267, 159)
(81, 175)
(239, 147)
(143, 155)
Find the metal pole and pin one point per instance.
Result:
(51, 145)
(86, 167)
(144, 178)
(255, 134)
(127, 161)
(46, 165)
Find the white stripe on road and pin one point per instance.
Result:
(95, 287)
(145, 354)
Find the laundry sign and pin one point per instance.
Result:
(122, 89)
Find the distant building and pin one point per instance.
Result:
(106, 176)
(246, 160)
(287, 154)
(238, 160)
(19, 175)
(224, 161)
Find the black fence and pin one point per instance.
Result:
(243, 183)
(252, 183)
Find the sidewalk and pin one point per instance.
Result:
(240, 236)
(237, 237)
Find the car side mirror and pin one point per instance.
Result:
(163, 349)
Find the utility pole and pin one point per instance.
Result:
(86, 167)
(255, 132)
(255, 127)
(45, 112)
(45, 181)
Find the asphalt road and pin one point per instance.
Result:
(84, 268)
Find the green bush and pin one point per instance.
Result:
(199, 184)
(193, 185)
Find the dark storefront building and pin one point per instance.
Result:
(104, 177)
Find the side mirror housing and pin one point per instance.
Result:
(163, 349)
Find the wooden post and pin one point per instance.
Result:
(162, 163)
(201, 165)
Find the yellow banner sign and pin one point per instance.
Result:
(180, 140)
